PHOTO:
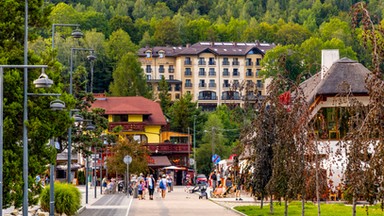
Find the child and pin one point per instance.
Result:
(140, 188)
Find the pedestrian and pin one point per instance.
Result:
(169, 183)
(214, 180)
(151, 183)
(158, 190)
(163, 186)
(104, 183)
(218, 177)
(140, 189)
(239, 184)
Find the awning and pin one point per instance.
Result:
(161, 161)
(74, 166)
(174, 168)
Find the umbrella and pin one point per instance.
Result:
(173, 168)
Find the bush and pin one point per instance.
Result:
(81, 177)
(67, 199)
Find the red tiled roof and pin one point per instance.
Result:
(132, 105)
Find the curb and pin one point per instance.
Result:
(229, 208)
(80, 210)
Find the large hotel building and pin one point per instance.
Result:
(214, 73)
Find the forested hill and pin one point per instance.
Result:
(301, 27)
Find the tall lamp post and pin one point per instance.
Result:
(70, 113)
(194, 145)
(75, 33)
(89, 127)
(42, 81)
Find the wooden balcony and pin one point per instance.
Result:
(127, 126)
(166, 148)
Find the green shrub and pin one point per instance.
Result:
(67, 199)
(81, 177)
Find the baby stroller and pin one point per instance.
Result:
(203, 191)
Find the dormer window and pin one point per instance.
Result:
(148, 54)
(161, 54)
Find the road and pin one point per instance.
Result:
(176, 203)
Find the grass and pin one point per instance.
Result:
(294, 208)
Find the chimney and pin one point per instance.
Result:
(328, 57)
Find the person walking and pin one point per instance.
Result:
(151, 182)
(163, 186)
(214, 180)
(169, 183)
(140, 189)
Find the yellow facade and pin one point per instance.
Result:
(135, 118)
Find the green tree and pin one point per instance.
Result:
(119, 44)
(165, 99)
(182, 112)
(291, 33)
(128, 78)
(163, 29)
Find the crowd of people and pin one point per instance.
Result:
(226, 183)
(142, 184)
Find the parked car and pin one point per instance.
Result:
(201, 178)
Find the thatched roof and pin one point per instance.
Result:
(343, 71)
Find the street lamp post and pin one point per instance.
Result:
(70, 113)
(75, 33)
(194, 145)
(43, 81)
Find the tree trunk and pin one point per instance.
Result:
(354, 205)
(262, 201)
(271, 205)
(302, 206)
(285, 206)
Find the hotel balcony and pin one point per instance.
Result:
(166, 148)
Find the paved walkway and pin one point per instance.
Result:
(177, 202)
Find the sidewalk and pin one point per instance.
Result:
(91, 196)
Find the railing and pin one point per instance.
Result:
(249, 73)
(212, 73)
(248, 63)
(230, 97)
(225, 62)
(188, 73)
(202, 62)
(169, 147)
(207, 98)
(187, 62)
(212, 63)
(202, 85)
(212, 85)
(188, 85)
(235, 63)
(171, 70)
(127, 126)
(148, 70)
(161, 70)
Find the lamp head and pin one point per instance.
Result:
(77, 33)
(91, 57)
(57, 105)
(43, 81)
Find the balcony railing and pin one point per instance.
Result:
(188, 73)
(187, 62)
(188, 85)
(225, 62)
(207, 97)
(249, 73)
(230, 97)
(235, 63)
(127, 126)
(161, 70)
(202, 85)
(212, 85)
(248, 63)
(169, 148)
(201, 62)
(171, 70)
(148, 70)
(212, 62)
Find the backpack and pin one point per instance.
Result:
(162, 186)
(213, 177)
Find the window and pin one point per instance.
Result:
(201, 72)
(235, 61)
(148, 69)
(225, 61)
(148, 77)
(212, 61)
(212, 83)
(249, 73)
(171, 77)
(119, 118)
(177, 87)
(188, 72)
(161, 68)
(257, 72)
(201, 61)
(258, 61)
(225, 72)
(236, 83)
(226, 84)
(187, 61)
(248, 62)
(161, 54)
(212, 72)
(188, 83)
(171, 69)
(235, 72)
(201, 83)
(177, 96)
(148, 54)
(259, 84)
